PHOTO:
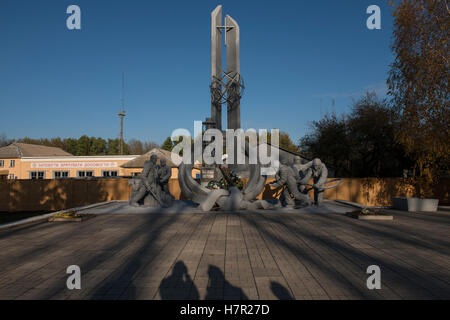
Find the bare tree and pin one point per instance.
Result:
(149, 145)
(4, 141)
(138, 147)
(135, 146)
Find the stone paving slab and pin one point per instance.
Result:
(313, 253)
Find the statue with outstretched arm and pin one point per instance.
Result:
(319, 173)
(146, 185)
(301, 171)
(287, 178)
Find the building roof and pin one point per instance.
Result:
(19, 150)
(160, 153)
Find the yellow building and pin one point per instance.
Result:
(28, 161)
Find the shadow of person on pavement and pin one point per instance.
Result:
(280, 292)
(217, 282)
(178, 285)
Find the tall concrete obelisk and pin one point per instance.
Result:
(216, 67)
(226, 86)
(233, 74)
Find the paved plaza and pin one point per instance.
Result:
(313, 254)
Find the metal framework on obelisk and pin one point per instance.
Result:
(227, 86)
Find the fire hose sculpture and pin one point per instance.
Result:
(232, 199)
(293, 182)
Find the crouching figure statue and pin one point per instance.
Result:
(319, 173)
(287, 178)
(151, 187)
(316, 171)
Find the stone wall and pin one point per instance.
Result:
(373, 191)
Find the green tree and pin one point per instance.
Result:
(328, 140)
(113, 147)
(361, 144)
(83, 146)
(70, 145)
(285, 141)
(371, 128)
(97, 146)
(168, 144)
(419, 85)
(126, 149)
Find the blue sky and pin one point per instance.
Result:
(294, 54)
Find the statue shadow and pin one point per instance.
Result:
(280, 292)
(178, 285)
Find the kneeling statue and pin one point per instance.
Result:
(319, 173)
(147, 189)
(287, 179)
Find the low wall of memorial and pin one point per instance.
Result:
(371, 191)
(53, 195)
(380, 191)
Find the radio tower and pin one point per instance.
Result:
(122, 113)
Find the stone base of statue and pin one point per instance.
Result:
(167, 200)
(290, 201)
(148, 201)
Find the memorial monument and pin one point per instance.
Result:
(151, 187)
(220, 187)
(226, 85)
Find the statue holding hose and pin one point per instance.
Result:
(295, 180)
(318, 172)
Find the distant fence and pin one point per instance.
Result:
(52, 195)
